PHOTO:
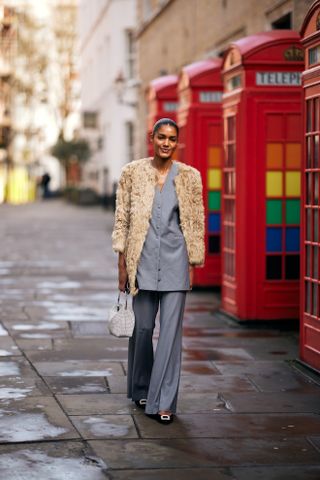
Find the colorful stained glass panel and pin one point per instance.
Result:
(293, 155)
(214, 156)
(274, 267)
(214, 223)
(274, 212)
(293, 184)
(292, 212)
(214, 178)
(274, 155)
(274, 239)
(292, 239)
(214, 200)
(274, 184)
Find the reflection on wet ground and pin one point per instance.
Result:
(244, 403)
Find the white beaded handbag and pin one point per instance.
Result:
(121, 319)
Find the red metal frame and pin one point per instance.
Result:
(200, 145)
(310, 285)
(262, 121)
(162, 102)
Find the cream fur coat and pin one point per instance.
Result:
(134, 201)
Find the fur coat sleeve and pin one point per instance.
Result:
(122, 213)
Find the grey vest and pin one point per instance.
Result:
(163, 264)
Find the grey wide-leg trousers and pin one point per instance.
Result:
(156, 376)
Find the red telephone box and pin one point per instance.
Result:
(200, 145)
(310, 288)
(262, 109)
(162, 102)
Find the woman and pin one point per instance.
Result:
(159, 234)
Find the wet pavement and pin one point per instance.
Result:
(247, 410)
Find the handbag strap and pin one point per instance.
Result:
(126, 304)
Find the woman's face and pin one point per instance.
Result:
(165, 141)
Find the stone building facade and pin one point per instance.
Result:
(174, 33)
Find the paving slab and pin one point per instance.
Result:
(201, 403)
(117, 384)
(173, 474)
(8, 347)
(26, 344)
(72, 385)
(289, 402)
(32, 419)
(101, 343)
(199, 452)
(250, 367)
(78, 368)
(17, 367)
(277, 473)
(198, 368)
(105, 426)
(90, 351)
(282, 382)
(231, 426)
(224, 354)
(215, 384)
(50, 461)
(17, 387)
(97, 404)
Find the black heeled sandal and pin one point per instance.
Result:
(141, 403)
(164, 418)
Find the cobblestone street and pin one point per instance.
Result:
(246, 409)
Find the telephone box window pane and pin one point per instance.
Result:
(214, 244)
(292, 266)
(214, 157)
(274, 267)
(274, 212)
(308, 297)
(230, 183)
(309, 116)
(293, 184)
(214, 201)
(315, 299)
(309, 152)
(214, 178)
(309, 188)
(315, 151)
(274, 239)
(316, 114)
(229, 212)
(292, 212)
(293, 155)
(230, 155)
(315, 262)
(316, 225)
(214, 223)
(292, 239)
(274, 184)
(316, 189)
(309, 224)
(308, 261)
(231, 129)
(274, 155)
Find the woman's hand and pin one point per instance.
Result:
(191, 273)
(123, 274)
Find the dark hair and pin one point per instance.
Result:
(164, 121)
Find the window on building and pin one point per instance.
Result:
(283, 23)
(130, 140)
(130, 54)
